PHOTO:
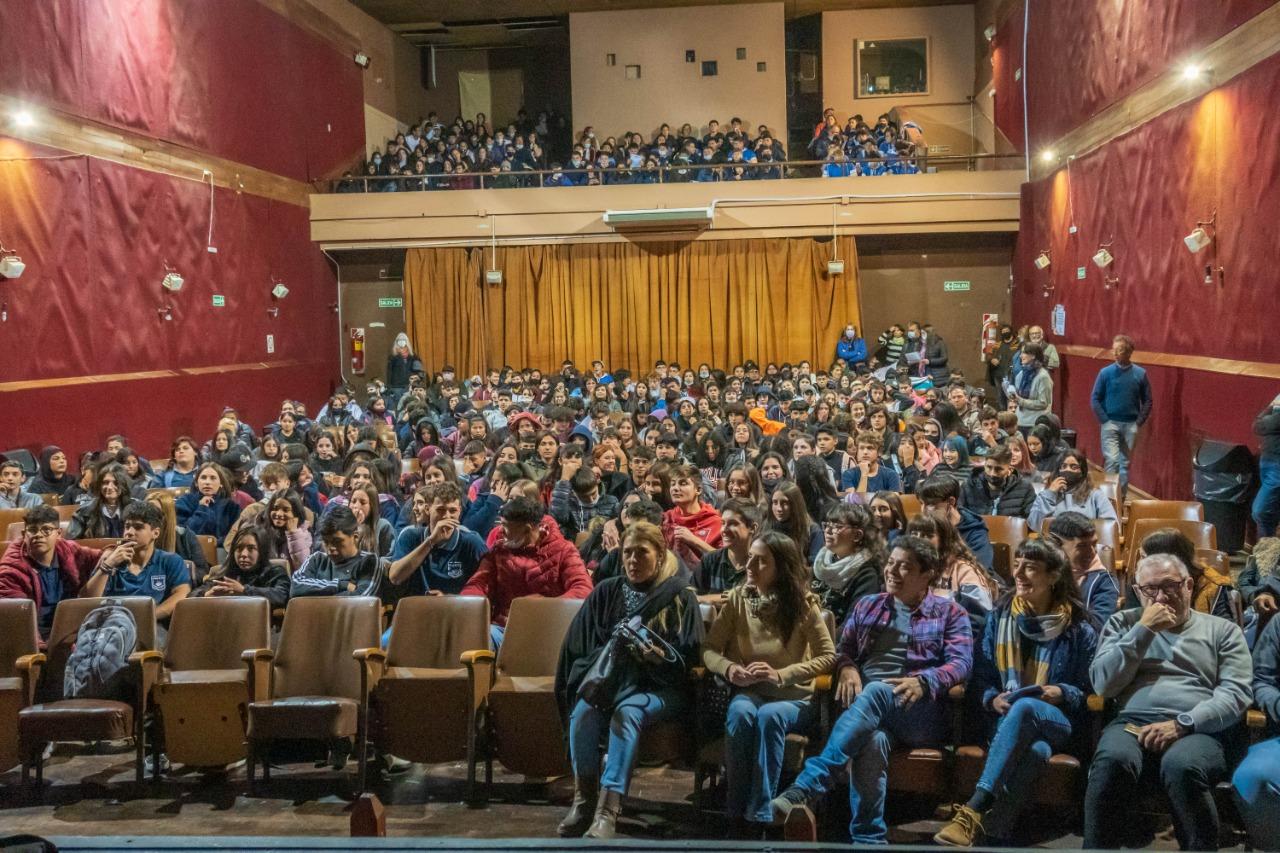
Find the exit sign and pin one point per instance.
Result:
(1081, 272)
(390, 302)
(219, 301)
(955, 286)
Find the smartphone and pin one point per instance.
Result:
(1035, 691)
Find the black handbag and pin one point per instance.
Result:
(599, 687)
(600, 683)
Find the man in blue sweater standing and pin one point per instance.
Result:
(1122, 403)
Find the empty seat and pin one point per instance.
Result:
(202, 697)
(525, 733)
(19, 642)
(1007, 533)
(317, 686)
(56, 719)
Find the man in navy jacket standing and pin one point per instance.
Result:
(1122, 403)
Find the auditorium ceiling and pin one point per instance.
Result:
(498, 23)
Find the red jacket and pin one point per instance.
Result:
(705, 524)
(552, 568)
(18, 577)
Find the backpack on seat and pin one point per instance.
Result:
(98, 667)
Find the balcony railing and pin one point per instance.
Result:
(670, 173)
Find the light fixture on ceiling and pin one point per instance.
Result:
(1191, 71)
(1042, 260)
(1048, 156)
(23, 118)
(362, 59)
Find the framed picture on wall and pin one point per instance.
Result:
(884, 68)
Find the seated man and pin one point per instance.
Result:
(529, 557)
(576, 500)
(940, 496)
(1257, 779)
(11, 495)
(869, 476)
(1182, 680)
(899, 653)
(137, 567)
(997, 488)
(45, 567)
(1077, 536)
(436, 555)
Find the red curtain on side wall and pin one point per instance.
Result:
(1144, 192)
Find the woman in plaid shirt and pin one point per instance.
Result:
(899, 653)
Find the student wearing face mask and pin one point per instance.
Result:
(997, 488)
(851, 349)
(1069, 490)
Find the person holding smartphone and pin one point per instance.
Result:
(1032, 668)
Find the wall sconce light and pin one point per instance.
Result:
(1042, 260)
(1103, 257)
(1111, 282)
(279, 291)
(11, 266)
(1200, 237)
(172, 280)
(989, 32)
(1192, 71)
(165, 312)
(1048, 156)
(361, 58)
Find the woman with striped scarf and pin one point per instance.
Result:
(1032, 671)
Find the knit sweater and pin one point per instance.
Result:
(1201, 668)
(740, 637)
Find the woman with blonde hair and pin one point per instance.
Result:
(650, 614)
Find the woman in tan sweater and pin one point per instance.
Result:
(770, 642)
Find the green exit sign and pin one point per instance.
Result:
(390, 302)
(1080, 273)
(219, 301)
(955, 286)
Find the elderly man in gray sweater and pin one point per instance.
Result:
(1182, 681)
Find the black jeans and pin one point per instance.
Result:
(1188, 772)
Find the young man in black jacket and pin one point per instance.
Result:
(997, 488)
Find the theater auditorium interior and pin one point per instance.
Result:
(409, 438)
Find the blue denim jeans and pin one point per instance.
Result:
(587, 728)
(1266, 506)
(1026, 737)
(1117, 447)
(1257, 788)
(755, 734)
(865, 733)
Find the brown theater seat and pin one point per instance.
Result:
(57, 720)
(438, 656)
(201, 698)
(18, 645)
(317, 685)
(525, 733)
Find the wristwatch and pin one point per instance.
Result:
(1187, 722)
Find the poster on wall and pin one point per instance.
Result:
(1058, 320)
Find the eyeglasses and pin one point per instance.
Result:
(42, 530)
(834, 526)
(1172, 589)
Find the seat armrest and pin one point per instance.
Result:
(955, 693)
(151, 666)
(259, 662)
(823, 683)
(29, 669)
(481, 672)
(373, 662)
(1255, 719)
(697, 673)
(1095, 703)
(471, 658)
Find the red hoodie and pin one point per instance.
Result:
(705, 524)
(19, 579)
(552, 568)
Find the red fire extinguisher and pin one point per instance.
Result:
(357, 350)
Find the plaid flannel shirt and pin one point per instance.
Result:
(940, 651)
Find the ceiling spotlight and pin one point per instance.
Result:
(1048, 156)
(1103, 258)
(1191, 71)
(279, 291)
(362, 59)
(1042, 260)
(11, 266)
(24, 118)
(172, 281)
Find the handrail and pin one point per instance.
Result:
(669, 173)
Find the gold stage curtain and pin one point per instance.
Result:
(629, 304)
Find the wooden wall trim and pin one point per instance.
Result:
(1230, 367)
(307, 17)
(67, 381)
(77, 135)
(1236, 52)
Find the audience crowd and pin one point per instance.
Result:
(475, 155)
(778, 495)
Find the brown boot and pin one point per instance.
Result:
(579, 817)
(963, 830)
(608, 807)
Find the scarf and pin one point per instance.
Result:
(1266, 556)
(1027, 376)
(836, 572)
(1018, 622)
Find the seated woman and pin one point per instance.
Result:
(769, 641)
(788, 514)
(208, 510)
(851, 561)
(1032, 670)
(955, 459)
(648, 689)
(248, 570)
(282, 530)
(103, 516)
(1069, 490)
(376, 533)
(891, 518)
(962, 577)
(1044, 454)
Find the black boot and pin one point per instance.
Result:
(579, 817)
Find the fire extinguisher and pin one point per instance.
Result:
(357, 350)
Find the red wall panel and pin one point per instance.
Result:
(1145, 191)
(230, 78)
